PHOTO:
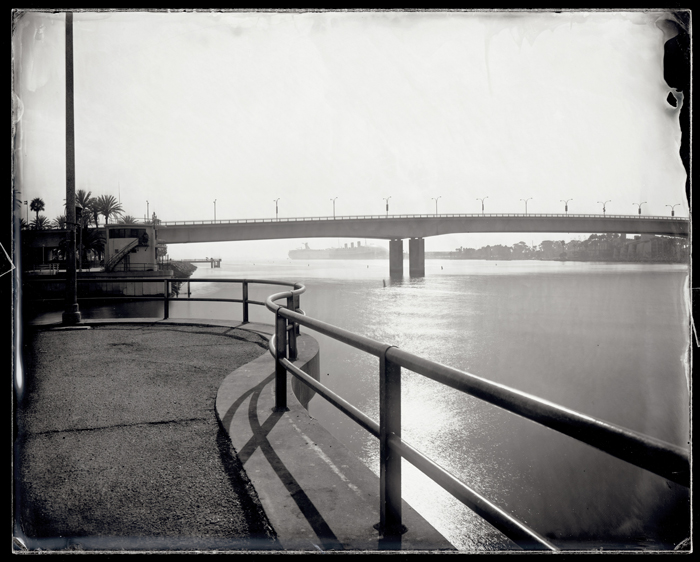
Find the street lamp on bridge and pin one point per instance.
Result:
(672, 208)
(333, 199)
(482, 202)
(640, 206)
(387, 204)
(214, 210)
(604, 203)
(526, 200)
(566, 204)
(276, 208)
(436, 200)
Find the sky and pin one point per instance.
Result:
(174, 111)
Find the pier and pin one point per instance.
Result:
(214, 262)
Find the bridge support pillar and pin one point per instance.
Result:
(416, 257)
(396, 258)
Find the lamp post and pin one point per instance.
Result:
(71, 314)
(640, 206)
(387, 204)
(566, 204)
(27, 207)
(604, 203)
(436, 200)
(276, 208)
(672, 208)
(214, 210)
(525, 201)
(333, 199)
(147, 209)
(482, 202)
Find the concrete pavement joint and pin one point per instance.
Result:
(121, 426)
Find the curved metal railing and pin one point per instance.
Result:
(659, 457)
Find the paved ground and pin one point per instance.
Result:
(134, 404)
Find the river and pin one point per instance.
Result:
(608, 340)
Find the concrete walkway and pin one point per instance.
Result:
(159, 436)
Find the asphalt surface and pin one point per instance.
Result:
(118, 446)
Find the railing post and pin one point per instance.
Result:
(390, 461)
(166, 301)
(280, 370)
(245, 301)
(291, 305)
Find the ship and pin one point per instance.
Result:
(351, 252)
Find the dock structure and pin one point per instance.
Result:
(214, 262)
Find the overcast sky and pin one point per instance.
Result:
(180, 109)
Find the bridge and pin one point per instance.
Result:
(416, 228)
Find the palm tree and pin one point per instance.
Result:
(92, 211)
(41, 223)
(37, 205)
(83, 197)
(128, 219)
(109, 207)
(59, 222)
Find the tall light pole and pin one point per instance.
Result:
(71, 314)
(333, 199)
(525, 201)
(387, 204)
(604, 203)
(640, 206)
(214, 210)
(482, 202)
(566, 204)
(672, 208)
(436, 200)
(276, 208)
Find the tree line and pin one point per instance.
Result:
(90, 243)
(93, 208)
(603, 247)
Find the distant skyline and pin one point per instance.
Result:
(177, 110)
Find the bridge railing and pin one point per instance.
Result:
(661, 458)
(414, 216)
(664, 459)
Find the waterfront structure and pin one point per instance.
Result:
(130, 247)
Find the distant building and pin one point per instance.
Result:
(130, 247)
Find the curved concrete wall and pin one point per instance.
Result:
(317, 495)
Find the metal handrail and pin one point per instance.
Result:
(659, 457)
(413, 216)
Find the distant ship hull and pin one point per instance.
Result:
(352, 253)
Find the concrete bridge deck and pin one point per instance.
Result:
(398, 227)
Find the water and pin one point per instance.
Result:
(608, 340)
